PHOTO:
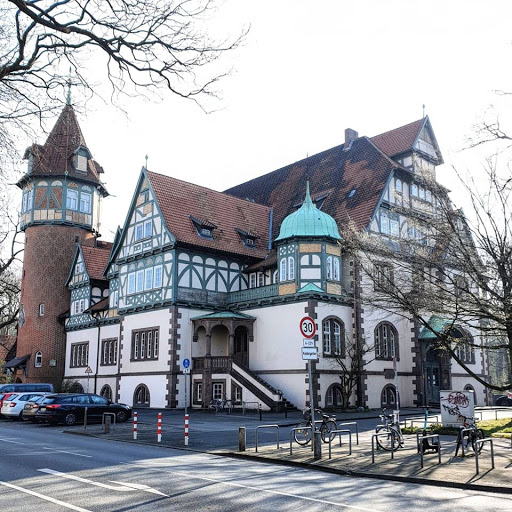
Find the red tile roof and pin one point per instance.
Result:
(96, 259)
(400, 140)
(179, 200)
(54, 158)
(363, 169)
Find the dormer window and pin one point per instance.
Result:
(82, 155)
(248, 238)
(203, 228)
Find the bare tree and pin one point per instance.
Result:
(352, 364)
(10, 277)
(448, 271)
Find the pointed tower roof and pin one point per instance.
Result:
(54, 159)
(308, 221)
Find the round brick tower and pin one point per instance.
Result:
(62, 193)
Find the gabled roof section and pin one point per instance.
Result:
(356, 178)
(400, 140)
(179, 201)
(54, 158)
(404, 139)
(96, 259)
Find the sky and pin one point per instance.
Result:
(307, 71)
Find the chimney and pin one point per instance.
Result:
(350, 136)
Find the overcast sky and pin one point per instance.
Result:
(310, 69)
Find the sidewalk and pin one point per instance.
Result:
(218, 434)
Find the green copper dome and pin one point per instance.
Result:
(308, 221)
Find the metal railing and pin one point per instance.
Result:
(421, 447)
(266, 426)
(340, 432)
(386, 434)
(347, 423)
(292, 431)
(478, 443)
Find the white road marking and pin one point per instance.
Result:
(64, 451)
(142, 487)
(10, 441)
(43, 497)
(86, 481)
(261, 489)
(121, 486)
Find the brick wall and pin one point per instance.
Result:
(48, 255)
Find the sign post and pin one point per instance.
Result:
(309, 352)
(88, 370)
(186, 371)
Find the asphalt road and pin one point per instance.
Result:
(45, 470)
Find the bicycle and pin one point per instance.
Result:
(394, 439)
(469, 437)
(304, 430)
(221, 405)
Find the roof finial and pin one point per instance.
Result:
(307, 200)
(423, 110)
(146, 157)
(68, 95)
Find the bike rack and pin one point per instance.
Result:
(293, 430)
(482, 441)
(340, 432)
(422, 449)
(267, 426)
(344, 424)
(387, 434)
(460, 438)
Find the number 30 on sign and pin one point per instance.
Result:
(307, 327)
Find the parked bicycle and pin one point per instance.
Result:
(390, 426)
(304, 430)
(469, 438)
(221, 405)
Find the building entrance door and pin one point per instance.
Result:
(241, 353)
(433, 371)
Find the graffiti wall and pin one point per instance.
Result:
(456, 406)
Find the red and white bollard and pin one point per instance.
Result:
(159, 430)
(186, 429)
(134, 426)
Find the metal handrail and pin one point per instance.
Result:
(421, 447)
(340, 432)
(298, 428)
(461, 434)
(267, 426)
(344, 424)
(482, 441)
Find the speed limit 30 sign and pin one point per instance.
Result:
(307, 327)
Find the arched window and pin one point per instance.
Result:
(77, 388)
(141, 396)
(388, 396)
(38, 361)
(282, 273)
(386, 342)
(333, 397)
(333, 332)
(336, 269)
(398, 185)
(106, 391)
(291, 268)
(464, 348)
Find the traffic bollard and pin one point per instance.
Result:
(134, 426)
(242, 438)
(159, 429)
(186, 429)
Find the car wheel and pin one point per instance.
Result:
(70, 419)
(121, 416)
(23, 418)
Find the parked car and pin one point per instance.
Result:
(31, 408)
(4, 396)
(13, 405)
(37, 387)
(69, 408)
(502, 400)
